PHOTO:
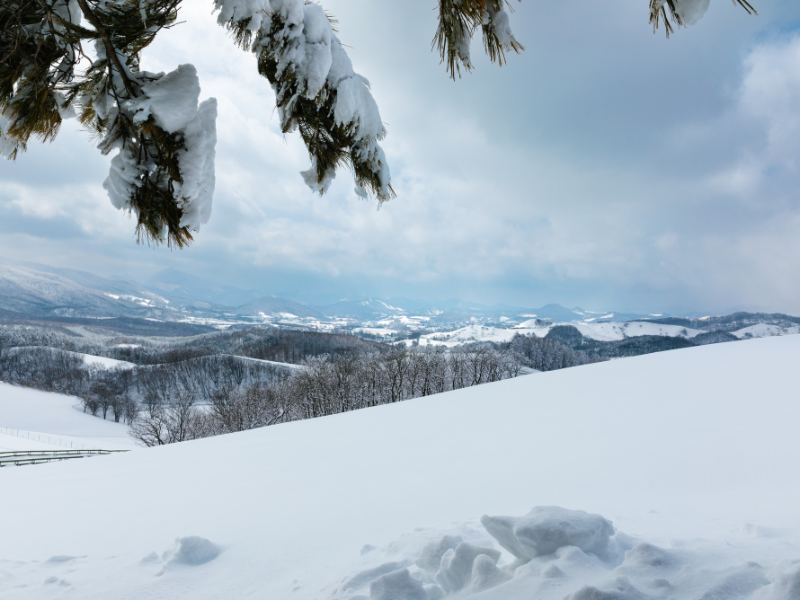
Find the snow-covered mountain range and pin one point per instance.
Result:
(172, 304)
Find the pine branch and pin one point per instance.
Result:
(669, 12)
(111, 52)
(458, 22)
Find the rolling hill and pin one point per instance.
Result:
(684, 460)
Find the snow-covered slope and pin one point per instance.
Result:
(34, 420)
(603, 332)
(692, 454)
(765, 330)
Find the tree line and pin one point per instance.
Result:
(332, 384)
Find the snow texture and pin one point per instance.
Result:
(171, 99)
(7, 145)
(547, 529)
(691, 11)
(197, 166)
(34, 420)
(192, 551)
(691, 454)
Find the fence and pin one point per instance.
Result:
(42, 438)
(35, 457)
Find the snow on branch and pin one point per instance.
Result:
(458, 22)
(684, 12)
(317, 91)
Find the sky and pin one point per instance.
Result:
(605, 167)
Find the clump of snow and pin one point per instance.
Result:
(691, 11)
(570, 572)
(122, 177)
(197, 166)
(192, 551)
(431, 556)
(739, 583)
(455, 570)
(545, 530)
(170, 99)
(396, 586)
(486, 574)
(7, 145)
(650, 555)
(370, 575)
(621, 589)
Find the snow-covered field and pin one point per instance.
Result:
(604, 332)
(764, 330)
(691, 454)
(34, 420)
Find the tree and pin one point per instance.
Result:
(62, 58)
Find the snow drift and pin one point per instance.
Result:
(675, 471)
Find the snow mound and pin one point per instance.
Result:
(192, 551)
(621, 589)
(398, 585)
(455, 570)
(545, 530)
(553, 555)
(648, 555)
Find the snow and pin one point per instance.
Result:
(546, 530)
(299, 38)
(765, 330)
(274, 363)
(8, 146)
(197, 166)
(468, 334)
(375, 331)
(90, 361)
(691, 11)
(690, 454)
(103, 362)
(171, 99)
(34, 420)
(604, 332)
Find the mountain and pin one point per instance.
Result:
(38, 292)
(365, 309)
(387, 503)
(272, 305)
(172, 303)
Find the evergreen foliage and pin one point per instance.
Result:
(63, 58)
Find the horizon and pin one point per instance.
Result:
(236, 297)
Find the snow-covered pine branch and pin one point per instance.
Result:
(458, 22)
(163, 138)
(684, 12)
(316, 90)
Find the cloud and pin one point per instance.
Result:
(603, 165)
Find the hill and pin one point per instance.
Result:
(690, 453)
(34, 420)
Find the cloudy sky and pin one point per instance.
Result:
(605, 167)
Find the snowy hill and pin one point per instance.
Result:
(34, 420)
(598, 331)
(691, 454)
